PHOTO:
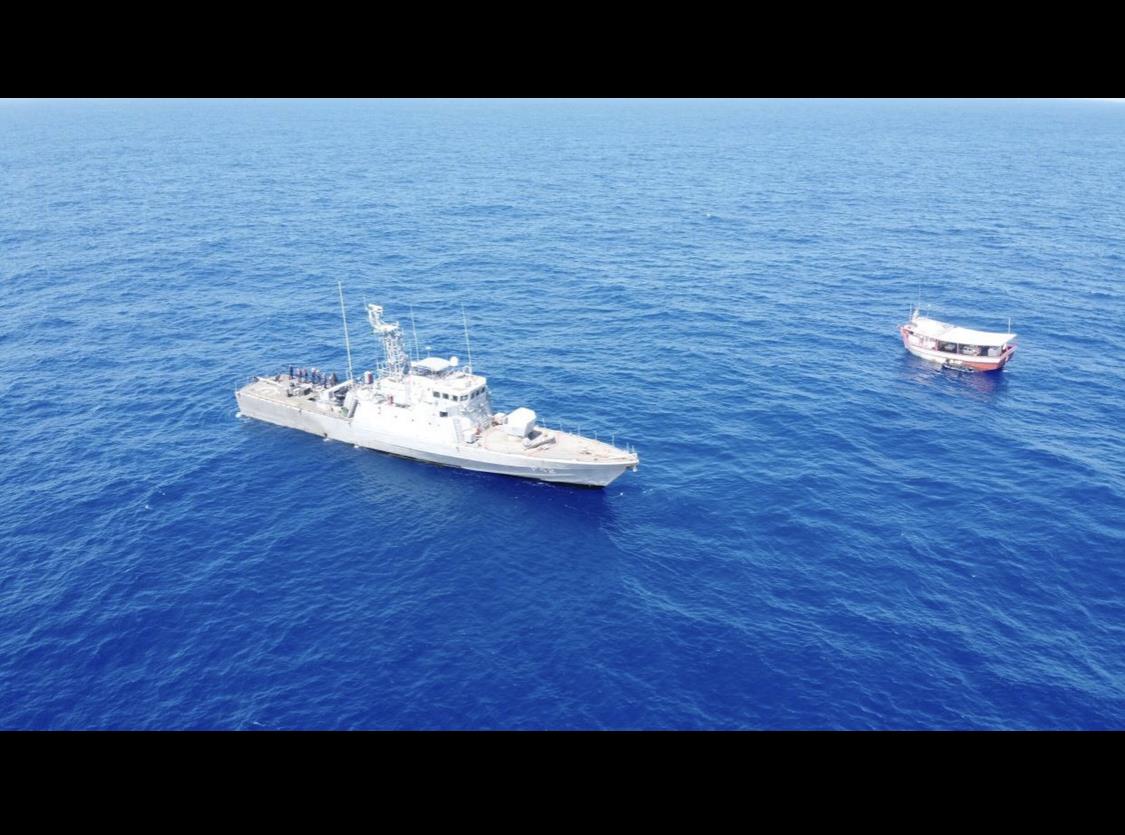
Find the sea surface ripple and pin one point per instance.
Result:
(824, 532)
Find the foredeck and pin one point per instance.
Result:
(566, 447)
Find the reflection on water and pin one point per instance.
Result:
(986, 385)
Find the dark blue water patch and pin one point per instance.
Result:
(824, 531)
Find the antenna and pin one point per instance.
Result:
(468, 347)
(347, 342)
(417, 353)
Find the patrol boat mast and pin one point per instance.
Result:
(347, 342)
(394, 354)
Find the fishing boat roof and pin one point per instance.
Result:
(962, 336)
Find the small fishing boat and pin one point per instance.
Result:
(955, 347)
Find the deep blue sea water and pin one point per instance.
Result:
(824, 532)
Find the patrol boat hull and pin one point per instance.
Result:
(394, 430)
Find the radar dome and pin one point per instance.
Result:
(453, 361)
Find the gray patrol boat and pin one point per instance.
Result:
(430, 409)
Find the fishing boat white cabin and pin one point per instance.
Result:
(956, 347)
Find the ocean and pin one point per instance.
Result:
(824, 531)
